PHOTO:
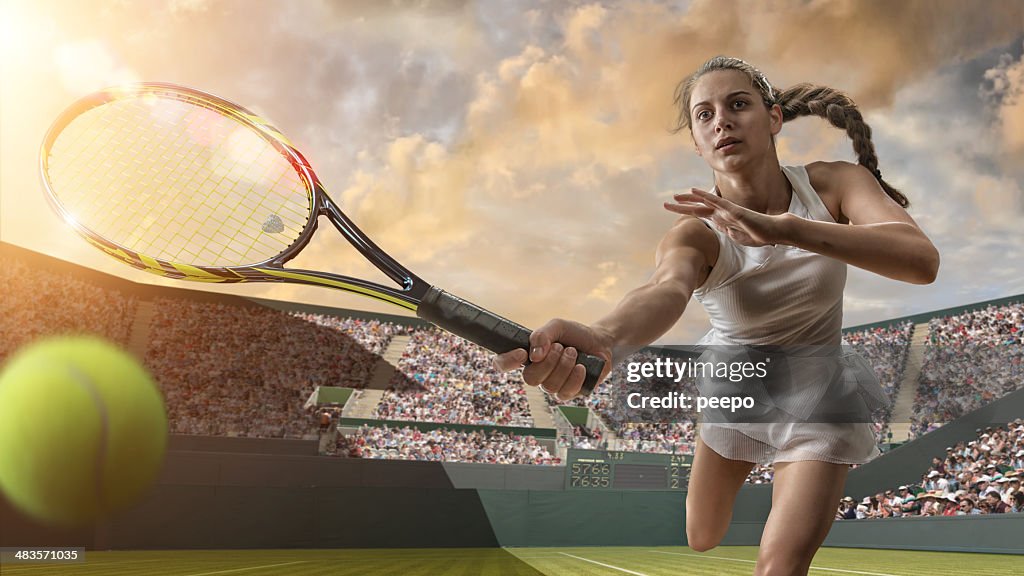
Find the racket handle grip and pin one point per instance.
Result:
(489, 330)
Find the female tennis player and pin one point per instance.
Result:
(765, 253)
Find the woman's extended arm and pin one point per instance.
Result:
(650, 310)
(645, 313)
(881, 238)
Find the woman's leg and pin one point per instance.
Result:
(805, 496)
(714, 482)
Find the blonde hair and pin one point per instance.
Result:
(800, 100)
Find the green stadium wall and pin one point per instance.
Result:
(333, 395)
(209, 498)
(576, 415)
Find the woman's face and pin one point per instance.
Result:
(731, 126)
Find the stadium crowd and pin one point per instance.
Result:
(658, 437)
(641, 427)
(369, 337)
(37, 303)
(585, 439)
(443, 378)
(885, 349)
(973, 359)
(981, 476)
(443, 445)
(246, 371)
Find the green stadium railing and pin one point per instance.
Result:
(428, 426)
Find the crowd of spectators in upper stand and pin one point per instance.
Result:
(585, 439)
(247, 370)
(443, 378)
(886, 350)
(982, 476)
(608, 401)
(38, 303)
(971, 360)
(369, 339)
(443, 445)
(658, 437)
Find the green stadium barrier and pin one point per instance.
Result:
(567, 518)
(576, 415)
(219, 500)
(990, 533)
(428, 426)
(238, 517)
(505, 477)
(993, 533)
(333, 395)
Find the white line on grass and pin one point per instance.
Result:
(603, 564)
(754, 562)
(250, 568)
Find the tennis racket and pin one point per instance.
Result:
(187, 185)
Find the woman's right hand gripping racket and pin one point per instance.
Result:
(187, 185)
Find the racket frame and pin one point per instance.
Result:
(410, 291)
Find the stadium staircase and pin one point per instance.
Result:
(142, 325)
(607, 433)
(903, 406)
(385, 368)
(539, 409)
(365, 405)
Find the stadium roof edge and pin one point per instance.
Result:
(926, 316)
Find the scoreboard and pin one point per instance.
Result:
(605, 469)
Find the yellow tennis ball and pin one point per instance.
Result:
(83, 430)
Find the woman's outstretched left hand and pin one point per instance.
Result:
(742, 225)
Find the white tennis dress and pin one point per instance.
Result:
(787, 296)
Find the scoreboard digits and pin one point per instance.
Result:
(605, 469)
(678, 471)
(590, 475)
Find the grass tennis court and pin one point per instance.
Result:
(660, 561)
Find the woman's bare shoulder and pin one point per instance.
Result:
(692, 233)
(824, 177)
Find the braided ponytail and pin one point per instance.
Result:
(800, 100)
(841, 112)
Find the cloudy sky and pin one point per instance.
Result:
(518, 153)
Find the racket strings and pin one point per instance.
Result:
(178, 182)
